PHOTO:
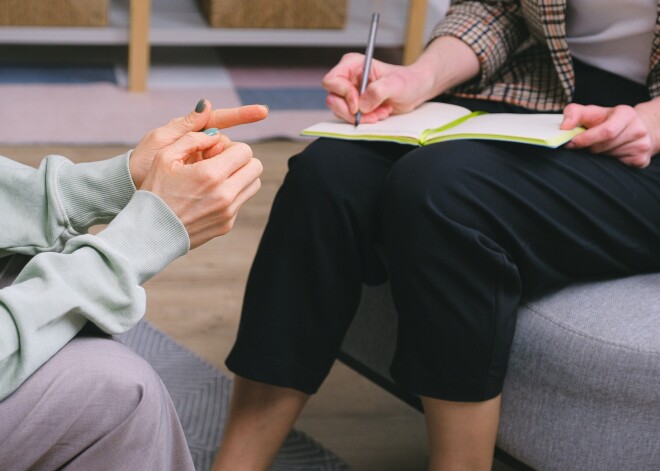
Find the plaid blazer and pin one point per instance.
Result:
(523, 52)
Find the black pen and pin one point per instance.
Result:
(368, 55)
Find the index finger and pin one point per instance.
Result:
(229, 117)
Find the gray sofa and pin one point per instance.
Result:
(583, 386)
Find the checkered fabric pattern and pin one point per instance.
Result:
(523, 52)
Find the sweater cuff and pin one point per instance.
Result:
(95, 192)
(148, 234)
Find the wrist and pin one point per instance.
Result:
(426, 79)
(649, 113)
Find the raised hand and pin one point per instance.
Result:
(204, 178)
(202, 117)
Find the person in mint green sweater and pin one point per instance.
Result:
(69, 398)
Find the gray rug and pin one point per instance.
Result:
(201, 396)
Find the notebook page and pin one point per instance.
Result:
(543, 127)
(413, 124)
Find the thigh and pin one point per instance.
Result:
(558, 215)
(81, 407)
(470, 227)
(316, 252)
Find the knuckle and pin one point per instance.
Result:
(185, 123)
(159, 134)
(608, 131)
(226, 226)
(639, 131)
(625, 110)
(259, 167)
(205, 179)
(648, 147)
(224, 198)
(639, 162)
(244, 149)
(159, 156)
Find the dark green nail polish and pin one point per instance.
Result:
(201, 104)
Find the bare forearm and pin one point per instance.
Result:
(446, 63)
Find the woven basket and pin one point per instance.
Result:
(313, 14)
(54, 12)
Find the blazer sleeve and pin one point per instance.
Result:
(493, 29)
(94, 278)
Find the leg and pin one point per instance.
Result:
(304, 287)
(260, 418)
(470, 228)
(461, 434)
(95, 405)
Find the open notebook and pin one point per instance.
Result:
(437, 122)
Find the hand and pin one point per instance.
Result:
(623, 132)
(202, 117)
(395, 89)
(392, 89)
(204, 179)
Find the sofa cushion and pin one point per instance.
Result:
(583, 387)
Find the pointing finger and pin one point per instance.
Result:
(229, 117)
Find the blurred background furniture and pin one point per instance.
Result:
(141, 24)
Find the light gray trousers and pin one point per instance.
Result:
(96, 405)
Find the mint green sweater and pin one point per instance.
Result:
(76, 277)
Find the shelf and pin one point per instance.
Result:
(140, 24)
(179, 22)
(116, 33)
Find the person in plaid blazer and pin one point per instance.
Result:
(462, 230)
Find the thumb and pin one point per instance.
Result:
(572, 116)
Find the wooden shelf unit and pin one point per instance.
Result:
(140, 24)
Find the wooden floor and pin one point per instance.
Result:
(197, 301)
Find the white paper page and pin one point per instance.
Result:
(534, 126)
(413, 124)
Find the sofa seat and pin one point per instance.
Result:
(583, 386)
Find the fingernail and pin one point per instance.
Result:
(211, 131)
(267, 107)
(201, 104)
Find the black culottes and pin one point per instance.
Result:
(462, 230)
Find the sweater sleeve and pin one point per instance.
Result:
(41, 209)
(493, 29)
(93, 278)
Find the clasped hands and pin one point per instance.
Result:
(202, 176)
